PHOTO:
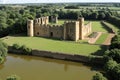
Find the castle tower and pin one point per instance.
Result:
(64, 30)
(77, 32)
(47, 20)
(81, 25)
(71, 30)
(30, 28)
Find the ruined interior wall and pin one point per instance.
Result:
(41, 30)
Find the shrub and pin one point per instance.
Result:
(22, 49)
(1, 59)
(110, 65)
(115, 43)
(16, 46)
(116, 72)
(99, 76)
(26, 50)
(5, 45)
(113, 70)
(13, 77)
(3, 51)
(113, 54)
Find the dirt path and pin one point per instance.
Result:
(93, 40)
(108, 39)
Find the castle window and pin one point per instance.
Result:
(37, 33)
(51, 34)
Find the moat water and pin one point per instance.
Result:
(38, 68)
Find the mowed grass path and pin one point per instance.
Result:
(53, 45)
(102, 38)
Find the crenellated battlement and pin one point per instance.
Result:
(42, 20)
(55, 25)
(71, 22)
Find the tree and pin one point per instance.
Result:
(116, 72)
(13, 77)
(3, 51)
(115, 42)
(113, 54)
(109, 66)
(99, 76)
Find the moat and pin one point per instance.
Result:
(37, 68)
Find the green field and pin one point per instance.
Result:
(60, 22)
(53, 45)
(113, 27)
(102, 38)
(97, 27)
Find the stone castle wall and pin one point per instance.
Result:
(70, 30)
(86, 29)
(56, 31)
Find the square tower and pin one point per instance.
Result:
(81, 25)
(30, 30)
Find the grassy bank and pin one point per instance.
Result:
(53, 45)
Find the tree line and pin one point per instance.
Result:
(13, 19)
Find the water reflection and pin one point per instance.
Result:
(38, 68)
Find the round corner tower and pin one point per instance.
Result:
(30, 28)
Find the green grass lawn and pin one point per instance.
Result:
(53, 45)
(60, 22)
(102, 38)
(113, 27)
(97, 27)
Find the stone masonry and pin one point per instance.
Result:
(70, 30)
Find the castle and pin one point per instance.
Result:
(70, 30)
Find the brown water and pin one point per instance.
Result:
(37, 68)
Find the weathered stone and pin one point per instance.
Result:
(70, 30)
